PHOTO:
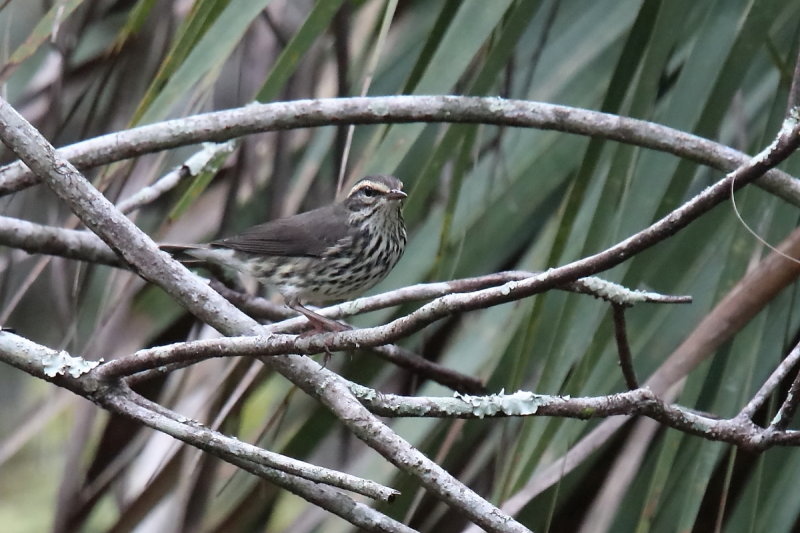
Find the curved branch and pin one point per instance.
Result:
(351, 339)
(257, 118)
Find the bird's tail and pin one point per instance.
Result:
(181, 252)
(222, 264)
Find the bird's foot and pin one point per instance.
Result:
(319, 324)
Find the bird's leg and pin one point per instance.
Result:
(318, 322)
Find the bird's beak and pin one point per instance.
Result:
(396, 194)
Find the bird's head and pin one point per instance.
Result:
(380, 193)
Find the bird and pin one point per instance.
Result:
(334, 252)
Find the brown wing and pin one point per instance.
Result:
(306, 234)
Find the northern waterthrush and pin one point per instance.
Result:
(334, 252)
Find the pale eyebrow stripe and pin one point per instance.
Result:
(374, 184)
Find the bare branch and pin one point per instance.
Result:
(262, 308)
(256, 118)
(772, 383)
(420, 366)
(623, 348)
(81, 245)
(205, 160)
(641, 401)
(448, 304)
(39, 239)
(789, 406)
(78, 376)
(364, 517)
(794, 88)
(281, 344)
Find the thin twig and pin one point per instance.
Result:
(205, 160)
(772, 383)
(391, 352)
(794, 88)
(789, 406)
(73, 373)
(281, 344)
(623, 348)
(320, 494)
(424, 368)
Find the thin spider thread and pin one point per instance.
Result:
(752, 231)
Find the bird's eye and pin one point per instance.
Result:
(369, 192)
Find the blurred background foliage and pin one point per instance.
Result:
(482, 199)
